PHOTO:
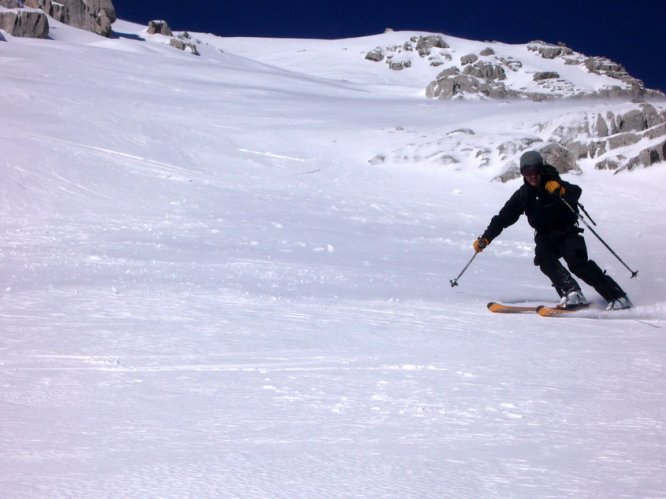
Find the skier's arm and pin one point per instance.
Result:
(572, 192)
(506, 217)
(558, 187)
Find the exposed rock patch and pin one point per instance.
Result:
(399, 57)
(159, 27)
(92, 15)
(25, 23)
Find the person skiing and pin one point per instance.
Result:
(557, 234)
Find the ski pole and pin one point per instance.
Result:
(582, 208)
(454, 282)
(634, 273)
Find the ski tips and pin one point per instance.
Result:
(501, 308)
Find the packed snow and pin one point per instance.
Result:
(209, 290)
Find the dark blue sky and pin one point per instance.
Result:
(628, 32)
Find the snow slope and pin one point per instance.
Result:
(209, 291)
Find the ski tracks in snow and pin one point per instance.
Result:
(291, 389)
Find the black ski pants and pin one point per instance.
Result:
(571, 247)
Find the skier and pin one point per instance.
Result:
(557, 234)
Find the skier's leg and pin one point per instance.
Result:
(575, 254)
(547, 259)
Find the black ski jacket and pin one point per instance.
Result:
(549, 216)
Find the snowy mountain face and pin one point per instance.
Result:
(500, 71)
(612, 123)
(227, 274)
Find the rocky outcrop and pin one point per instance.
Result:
(398, 63)
(57, 10)
(494, 73)
(606, 67)
(645, 157)
(457, 86)
(554, 154)
(560, 157)
(486, 71)
(485, 74)
(653, 154)
(375, 55)
(630, 138)
(549, 51)
(25, 23)
(638, 120)
(608, 139)
(642, 126)
(426, 44)
(614, 140)
(480, 78)
(545, 75)
(91, 15)
(184, 42)
(399, 57)
(159, 28)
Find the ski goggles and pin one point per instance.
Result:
(530, 170)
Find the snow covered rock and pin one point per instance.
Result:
(626, 136)
(549, 51)
(399, 57)
(185, 45)
(567, 77)
(159, 27)
(375, 55)
(426, 44)
(622, 136)
(162, 32)
(450, 84)
(24, 23)
(652, 155)
(628, 140)
(486, 71)
(545, 75)
(91, 15)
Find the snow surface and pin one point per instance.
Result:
(208, 291)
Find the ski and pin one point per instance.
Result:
(546, 311)
(542, 310)
(501, 308)
(558, 312)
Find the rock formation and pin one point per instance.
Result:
(26, 23)
(613, 140)
(91, 15)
